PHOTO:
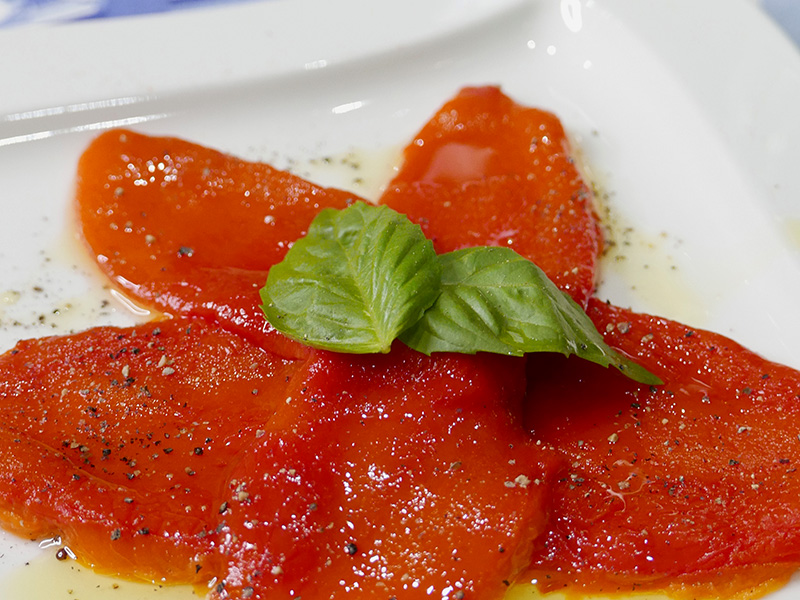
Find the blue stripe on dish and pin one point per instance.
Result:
(14, 12)
(786, 13)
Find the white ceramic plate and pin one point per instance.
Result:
(685, 114)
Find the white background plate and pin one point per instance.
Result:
(684, 112)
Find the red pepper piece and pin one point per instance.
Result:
(694, 482)
(188, 230)
(173, 450)
(488, 171)
(122, 440)
(394, 476)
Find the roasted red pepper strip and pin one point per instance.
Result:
(394, 476)
(488, 171)
(122, 440)
(173, 451)
(693, 481)
(189, 230)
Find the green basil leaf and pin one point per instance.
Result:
(494, 300)
(354, 282)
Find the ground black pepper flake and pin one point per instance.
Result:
(351, 548)
(64, 554)
(198, 451)
(116, 534)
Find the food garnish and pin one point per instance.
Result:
(366, 275)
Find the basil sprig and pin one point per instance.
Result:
(366, 275)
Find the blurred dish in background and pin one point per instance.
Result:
(786, 13)
(15, 12)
